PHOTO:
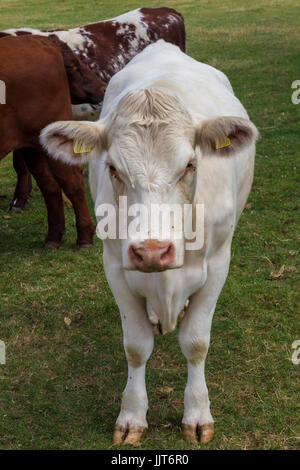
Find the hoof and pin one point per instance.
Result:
(84, 246)
(131, 436)
(197, 433)
(189, 433)
(15, 210)
(207, 432)
(52, 245)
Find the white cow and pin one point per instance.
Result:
(171, 131)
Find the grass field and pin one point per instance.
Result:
(65, 371)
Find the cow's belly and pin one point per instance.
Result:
(168, 291)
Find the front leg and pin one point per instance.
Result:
(194, 338)
(37, 162)
(138, 339)
(131, 424)
(70, 179)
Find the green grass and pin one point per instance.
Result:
(61, 386)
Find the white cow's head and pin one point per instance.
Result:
(151, 146)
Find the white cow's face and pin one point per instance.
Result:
(152, 147)
(155, 168)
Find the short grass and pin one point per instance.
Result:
(65, 370)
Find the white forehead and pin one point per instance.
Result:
(151, 137)
(151, 163)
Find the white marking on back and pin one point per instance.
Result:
(72, 37)
(77, 38)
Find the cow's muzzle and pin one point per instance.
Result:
(152, 255)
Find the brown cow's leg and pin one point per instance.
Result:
(71, 181)
(24, 186)
(37, 163)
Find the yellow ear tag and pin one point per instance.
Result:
(80, 147)
(223, 144)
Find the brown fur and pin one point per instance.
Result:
(30, 107)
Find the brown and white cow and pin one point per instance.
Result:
(37, 93)
(105, 47)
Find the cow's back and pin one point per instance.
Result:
(202, 88)
(107, 46)
(110, 44)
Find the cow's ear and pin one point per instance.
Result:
(74, 142)
(224, 135)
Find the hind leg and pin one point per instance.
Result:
(24, 186)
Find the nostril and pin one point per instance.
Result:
(152, 255)
(136, 254)
(168, 253)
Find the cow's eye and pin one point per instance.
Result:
(113, 171)
(190, 167)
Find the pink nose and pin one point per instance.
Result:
(152, 255)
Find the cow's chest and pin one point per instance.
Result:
(168, 291)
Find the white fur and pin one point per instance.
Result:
(190, 99)
(72, 37)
